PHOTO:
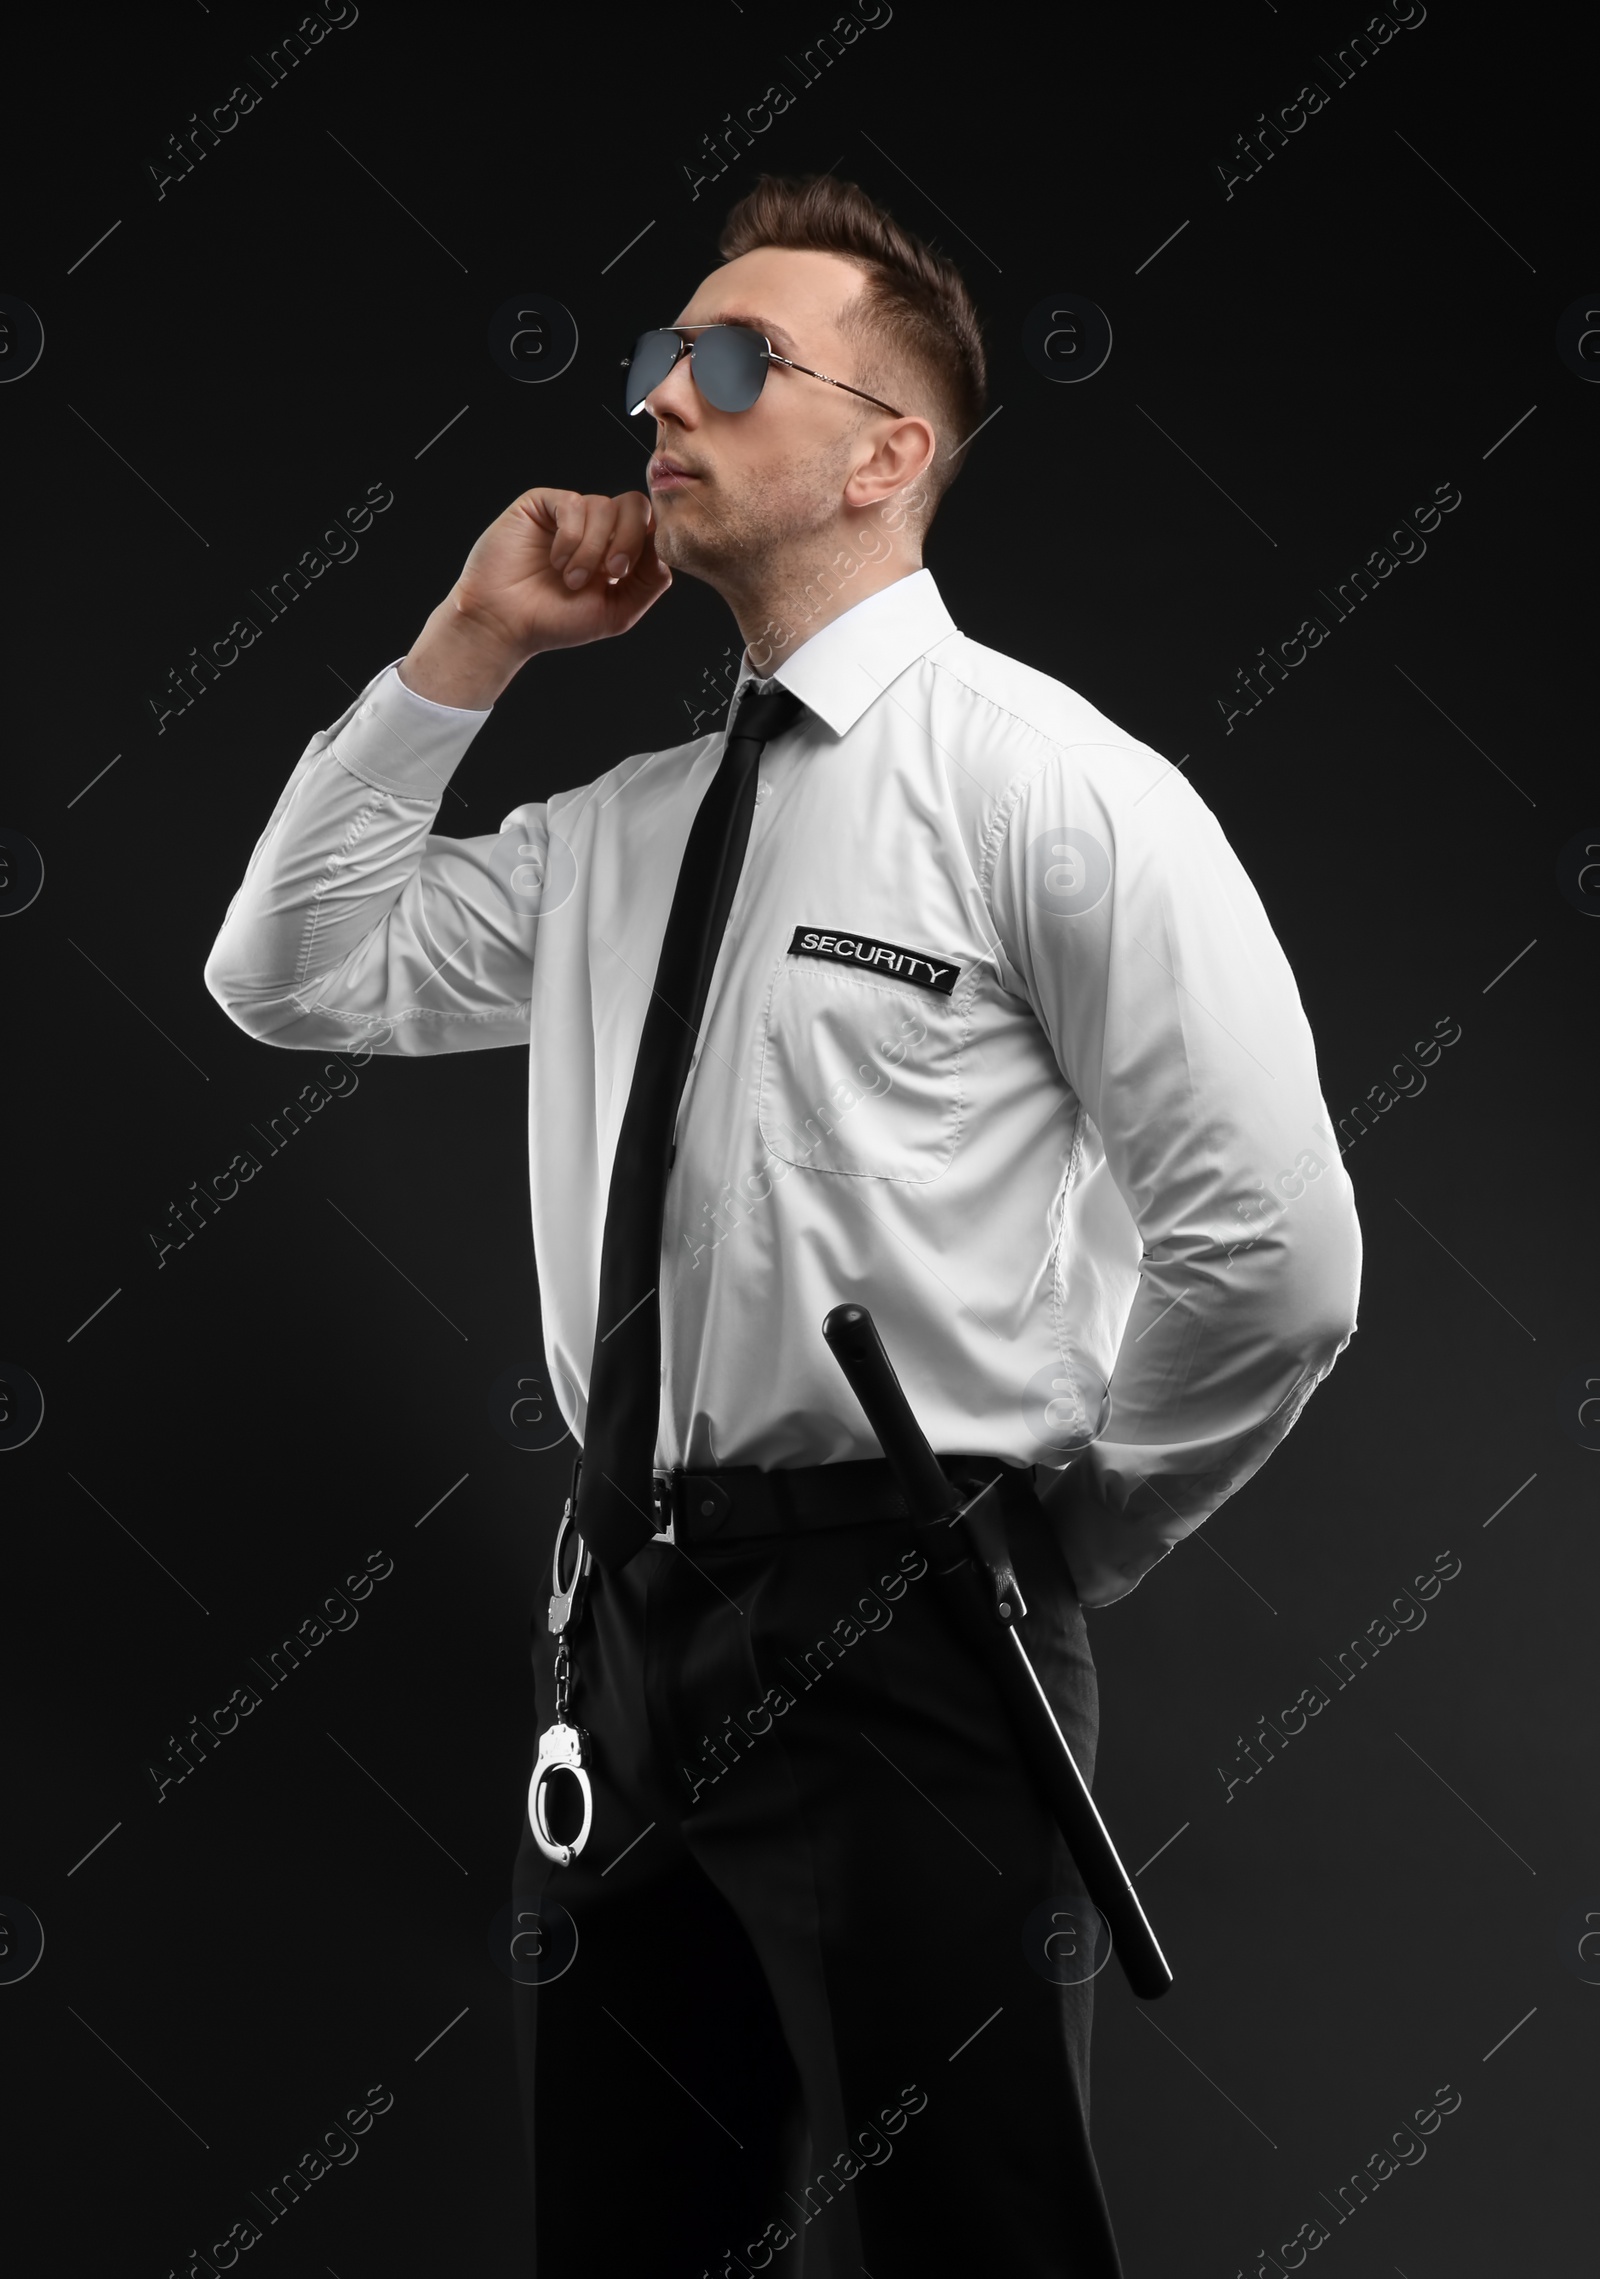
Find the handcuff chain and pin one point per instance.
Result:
(563, 1746)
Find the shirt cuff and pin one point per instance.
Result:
(400, 742)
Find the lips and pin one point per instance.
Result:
(667, 475)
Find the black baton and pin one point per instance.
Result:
(979, 1587)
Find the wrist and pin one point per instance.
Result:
(457, 661)
(1107, 1554)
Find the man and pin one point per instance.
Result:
(918, 983)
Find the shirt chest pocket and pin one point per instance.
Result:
(861, 1077)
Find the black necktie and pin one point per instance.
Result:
(615, 1516)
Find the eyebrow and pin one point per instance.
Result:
(774, 332)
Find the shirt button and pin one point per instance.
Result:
(707, 1508)
(763, 792)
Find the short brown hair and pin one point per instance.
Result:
(914, 311)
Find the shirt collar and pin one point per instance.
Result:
(843, 668)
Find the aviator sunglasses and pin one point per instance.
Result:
(728, 363)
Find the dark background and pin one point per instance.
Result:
(228, 1436)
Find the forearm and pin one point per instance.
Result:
(354, 918)
(1217, 1361)
(346, 840)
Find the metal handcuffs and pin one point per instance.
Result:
(563, 1747)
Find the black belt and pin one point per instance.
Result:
(738, 1500)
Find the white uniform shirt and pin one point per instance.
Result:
(999, 1042)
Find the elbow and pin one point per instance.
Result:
(1329, 1281)
(225, 983)
(263, 1018)
(1304, 1270)
(219, 976)
(1329, 1332)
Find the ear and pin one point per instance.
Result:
(902, 453)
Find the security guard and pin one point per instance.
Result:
(917, 982)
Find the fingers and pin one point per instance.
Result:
(571, 508)
(633, 536)
(598, 535)
(645, 583)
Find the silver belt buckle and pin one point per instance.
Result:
(662, 1483)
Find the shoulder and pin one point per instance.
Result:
(1015, 723)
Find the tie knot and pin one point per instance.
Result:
(765, 710)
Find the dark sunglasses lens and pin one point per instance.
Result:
(730, 364)
(654, 354)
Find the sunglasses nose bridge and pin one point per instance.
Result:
(675, 395)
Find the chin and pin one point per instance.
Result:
(680, 551)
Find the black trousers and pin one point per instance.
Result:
(829, 2009)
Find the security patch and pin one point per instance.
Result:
(927, 972)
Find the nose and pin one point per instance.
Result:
(676, 397)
